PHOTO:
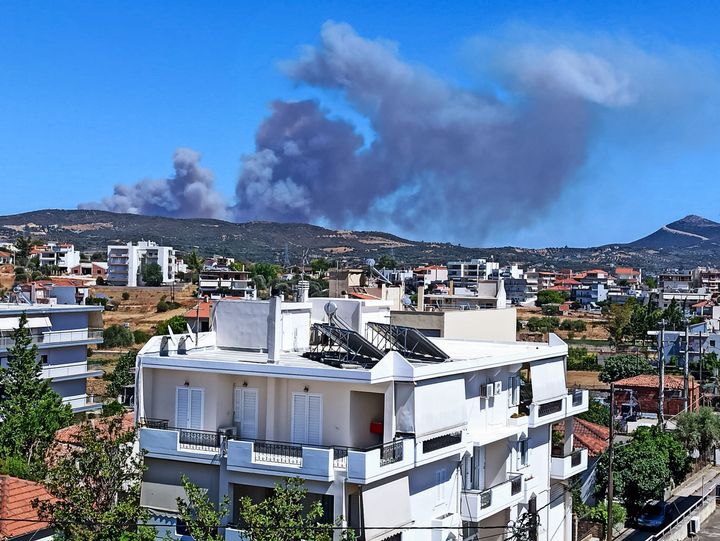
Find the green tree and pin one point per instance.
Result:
(95, 485)
(617, 321)
(117, 336)
(178, 324)
(122, 375)
(30, 410)
(320, 265)
(268, 271)
(386, 262)
(580, 359)
(202, 518)
(698, 431)
(597, 413)
(549, 296)
(650, 281)
(195, 263)
(24, 246)
(619, 367)
(673, 316)
(152, 275)
(285, 516)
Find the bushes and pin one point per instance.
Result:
(118, 336)
(141, 336)
(580, 359)
(575, 325)
(176, 323)
(125, 295)
(619, 367)
(162, 306)
(537, 324)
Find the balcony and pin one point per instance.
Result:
(477, 505)
(162, 441)
(564, 467)
(66, 372)
(547, 412)
(439, 447)
(577, 402)
(53, 338)
(282, 458)
(368, 465)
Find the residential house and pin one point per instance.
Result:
(587, 295)
(394, 431)
(486, 294)
(639, 394)
(63, 256)
(628, 275)
(19, 520)
(364, 284)
(430, 273)
(217, 280)
(95, 269)
(706, 277)
(684, 299)
(127, 261)
(7, 258)
(675, 281)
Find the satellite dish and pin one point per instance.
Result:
(406, 300)
(330, 309)
(370, 262)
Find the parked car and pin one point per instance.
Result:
(656, 514)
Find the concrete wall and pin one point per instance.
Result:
(494, 325)
(63, 321)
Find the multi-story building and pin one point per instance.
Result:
(539, 280)
(628, 275)
(485, 294)
(469, 273)
(126, 262)
(405, 437)
(430, 273)
(62, 333)
(706, 277)
(675, 281)
(589, 294)
(62, 256)
(218, 280)
(96, 269)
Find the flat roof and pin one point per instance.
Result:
(11, 308)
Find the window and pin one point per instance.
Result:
(522, 453)
(513, 391)
(189, 407)
(712, 343)
(246, 412)
(181, 528)
(43, 359)
(441, 478)
(307, 418)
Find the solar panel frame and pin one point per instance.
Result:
(408, 341)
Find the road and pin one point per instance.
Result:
(683, 497)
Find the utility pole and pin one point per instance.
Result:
(700, 348)
(610, 463)
(686, 371)
(661, 379)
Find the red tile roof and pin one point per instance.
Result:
(16, 496)
(591, 436)
(651, 381)
(363, 296)
(69, 434)
(204, 311)
(626, 270)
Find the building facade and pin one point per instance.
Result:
(126, 262)
(405, 437)
(469, 273)
(63, 256)
(223, 280)
(62, 333)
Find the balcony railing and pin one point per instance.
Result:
(565, 466)
(479, 504)
(57, 337)
(577, 398)
(200, 440)
(392, 452)
(550, 407)
(277, 452)
(428, 446)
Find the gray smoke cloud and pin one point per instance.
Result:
(189, 193)
(442, 157)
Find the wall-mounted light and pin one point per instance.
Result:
(244, 383)
(187, 384)
(306, 389)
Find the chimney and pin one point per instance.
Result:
(451, 288)
(274, 329)
(303, 291)
(421, 299)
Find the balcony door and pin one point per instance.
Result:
(307, 418)
(246, 412)
(189, 407)
(474, 469)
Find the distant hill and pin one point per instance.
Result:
(682, 244)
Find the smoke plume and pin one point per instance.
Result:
(189, 193)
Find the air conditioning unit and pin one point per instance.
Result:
(487, 390)
(228, 431)
(693, 526)
(498, 387)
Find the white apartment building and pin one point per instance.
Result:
(406, 437)
(63, 256)
(62, 333)
(126, 262)
(468, 273)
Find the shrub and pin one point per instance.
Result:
(125, 295)
(117, 336)
(162, 306)
(112, 408)
(141, 337)
(176, 323)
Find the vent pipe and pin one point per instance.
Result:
(274, 329)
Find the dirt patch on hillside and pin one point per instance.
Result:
(582, 379)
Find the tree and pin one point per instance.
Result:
(178, 324)
(580, 359)
(650, 281)
(698, 431)
(283, 516)
(320, 265)
(117, 336)
(549, 296)
(31, 411)
(122, 375)
(24, 246)
(619, 367)
(195, 263)
(617, 321)
(95, 485)
(152, 275)
(386, 262)
(268, 271)
(597, 413)
(673, 316)
(202, 518)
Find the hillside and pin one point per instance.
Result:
(680, 244)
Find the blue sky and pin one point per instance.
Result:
(93, 94)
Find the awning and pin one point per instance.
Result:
(12, 323)
(548, 379)
(161, 496)
(386, 509)
(439, 407)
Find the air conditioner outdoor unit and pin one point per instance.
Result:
(228, 431)
(693, 526)
(487, 390)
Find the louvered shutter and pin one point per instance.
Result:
(314, 420)
(299, 418)
(196, 409)
(248, 417)
(182, 405)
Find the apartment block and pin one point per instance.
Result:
(389, 429)
(469, 273)
(127, 261)
(218, 280)
(62, 333)
(63, 256)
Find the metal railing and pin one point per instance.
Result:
(549, 408)
(577, 398)
(160, 424)
(392, 452)
(200, 440)
(702, 499)
(277, 452)
(442, 441)
(576, 458)
(54, 337)
(340, 457)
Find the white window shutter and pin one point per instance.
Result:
(196, 409)
(237, 408)
(299, 418)
(314, 420)
(248, 419)
(182, 406)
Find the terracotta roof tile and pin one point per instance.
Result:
(16, 496)
(651, 381)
